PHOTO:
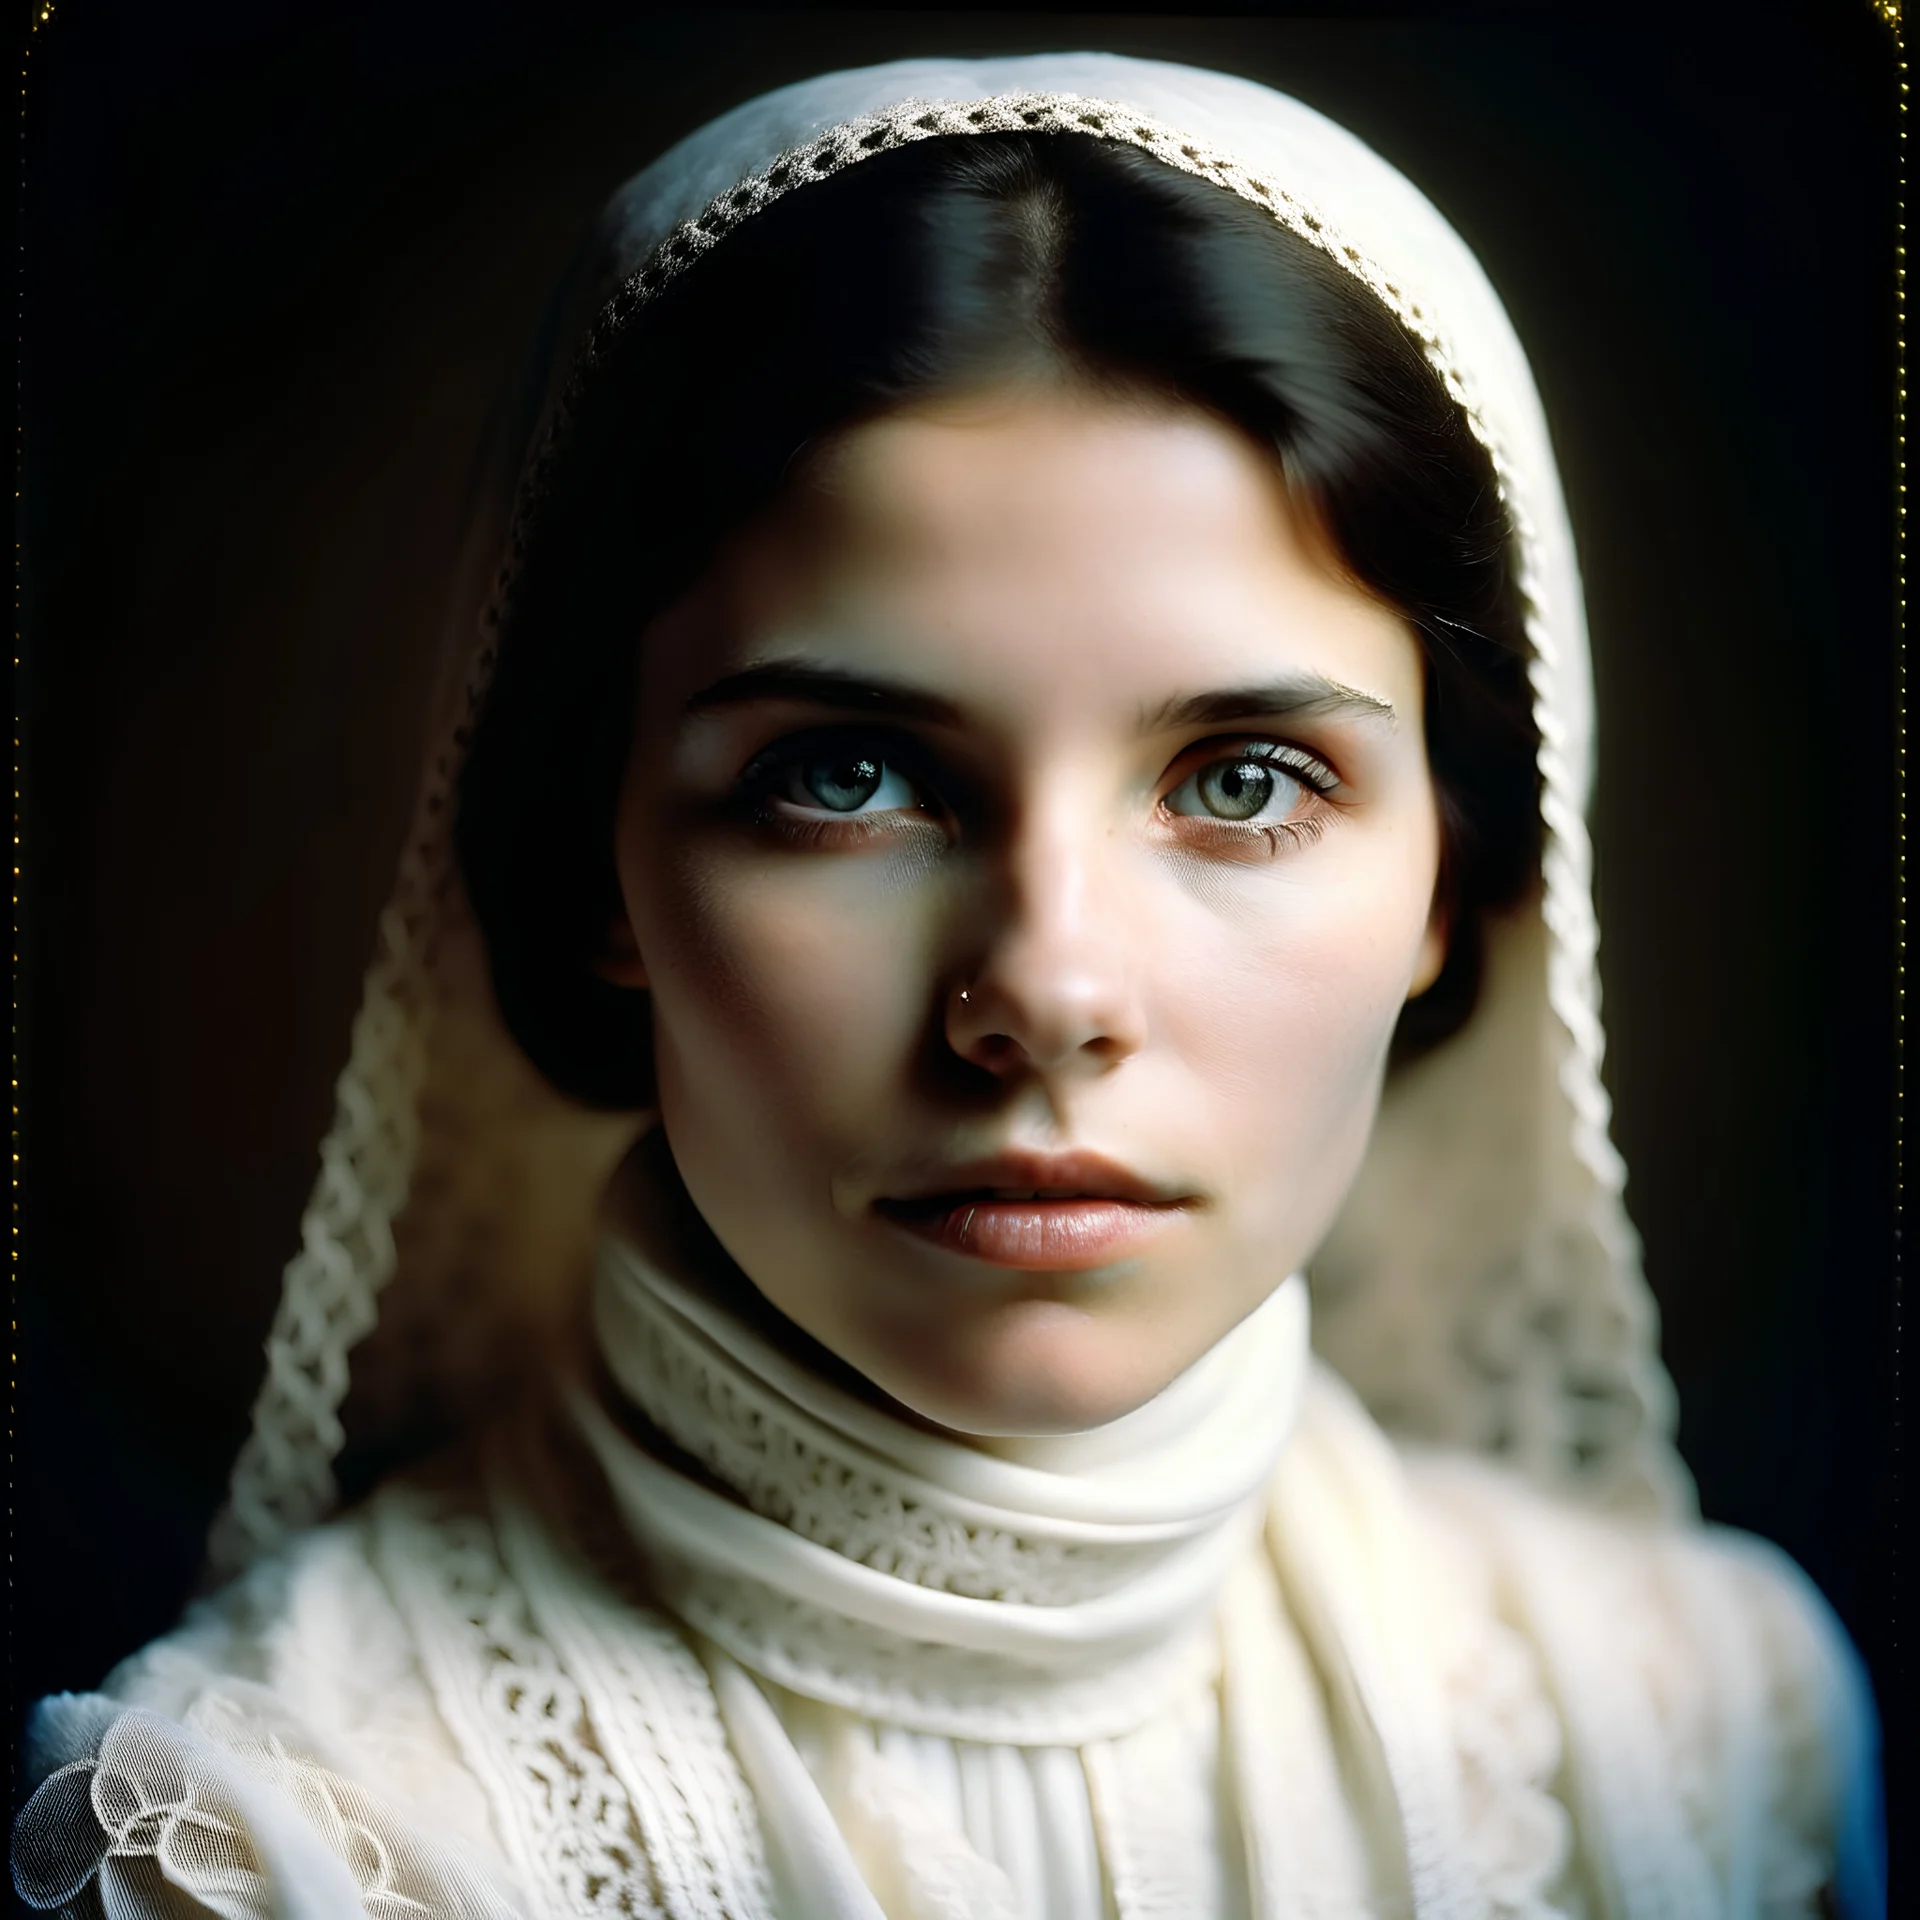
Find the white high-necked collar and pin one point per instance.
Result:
(1045, 1592)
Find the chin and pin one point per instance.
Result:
(1032, 1367)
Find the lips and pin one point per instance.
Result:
(1038, 1213)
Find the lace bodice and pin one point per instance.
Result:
(463, 1699)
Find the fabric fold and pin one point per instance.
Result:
(857, 1558)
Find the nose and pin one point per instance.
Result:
(1054, 987)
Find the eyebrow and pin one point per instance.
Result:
(1297, 696)
(1293, 696)
(799, 682)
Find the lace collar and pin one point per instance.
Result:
(1047, 1591)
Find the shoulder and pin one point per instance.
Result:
(321, 1642)
(281, 1736)
(1681, 1693)
(312, 1631)
(449, 1685)
(285, 1732)
(1682, 1610)
(1716, 1725)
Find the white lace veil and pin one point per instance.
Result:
(1482, 1288)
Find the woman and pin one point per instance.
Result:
(1023, 695)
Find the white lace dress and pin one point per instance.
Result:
(711, 1637)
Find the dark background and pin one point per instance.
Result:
(279, 256)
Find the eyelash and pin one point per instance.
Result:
(1315, 778)
(769, 769)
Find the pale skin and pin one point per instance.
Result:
(1032, 782)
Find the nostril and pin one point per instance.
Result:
(1032, 1013)
(997, 1051)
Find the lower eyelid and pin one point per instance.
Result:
(1232, 838)
(821, 828)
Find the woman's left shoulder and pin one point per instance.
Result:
(1693, 1574)
(1690, 1663)
(1729, 1603)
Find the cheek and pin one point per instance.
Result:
(1304, 978)
(1288, 1049)
(786, 995)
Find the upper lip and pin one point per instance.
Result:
(1052, 1176)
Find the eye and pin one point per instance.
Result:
(845, 788)
(1259, 786)
(839, 778)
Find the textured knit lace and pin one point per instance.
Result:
(610, 1780)
(578, 1834)
(1517, 1832)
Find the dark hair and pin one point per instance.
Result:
(926, 270)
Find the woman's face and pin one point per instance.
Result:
(1028, 845)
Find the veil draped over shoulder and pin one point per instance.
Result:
(1483, 1286)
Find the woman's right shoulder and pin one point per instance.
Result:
(313, 1627)
(369, 1677)
(358, 1630)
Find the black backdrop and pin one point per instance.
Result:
(277, 257)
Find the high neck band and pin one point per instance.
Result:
(1045, 1592)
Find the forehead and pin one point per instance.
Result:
(1013, 547)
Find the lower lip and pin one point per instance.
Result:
(1035, 1236)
